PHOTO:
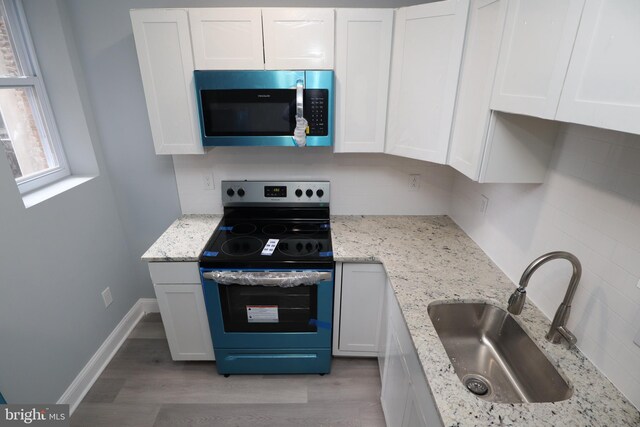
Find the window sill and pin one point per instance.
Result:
(48, 191)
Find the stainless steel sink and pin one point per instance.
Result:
(494, 357)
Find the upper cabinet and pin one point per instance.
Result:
(227, 38)
(488, 146)
(534, 56)
(602, 87)
(471, 119)
(172, 43)
(363, 58)
(298, 38)
(166, 65)
(427, 50)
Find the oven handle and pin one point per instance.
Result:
(283, 279)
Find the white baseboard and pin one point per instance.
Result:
(92, 370)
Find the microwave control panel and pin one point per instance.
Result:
(316, 111)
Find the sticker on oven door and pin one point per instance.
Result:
(270, 247)
(262, 313)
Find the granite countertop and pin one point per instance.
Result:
(184, 239)
(429, 258)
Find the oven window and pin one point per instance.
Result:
(268, 308)
(243, 112)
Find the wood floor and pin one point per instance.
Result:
(142, 387)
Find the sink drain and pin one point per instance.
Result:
(477, 385)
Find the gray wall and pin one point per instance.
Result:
(56, 257)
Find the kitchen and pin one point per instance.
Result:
(588, 205)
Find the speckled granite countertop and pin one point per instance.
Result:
(429, 258)
(184, 239)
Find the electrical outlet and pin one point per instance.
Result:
(484, 204)
(207, 181)
(106, 297)
(414, 182)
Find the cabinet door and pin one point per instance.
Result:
(468, 137)
(166, 65)
(534, 56)
(603, 82)
(384, 329)
(363, 287)
(185, 321)
(427, 50)
(298, 39)
(413, 416)
(363, 58)
(395, 384)
(227, 38)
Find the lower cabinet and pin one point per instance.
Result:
(406, 397)
(359, 294)
(368, 322)
(182, 308)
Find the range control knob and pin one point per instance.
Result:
(241, 192)
(320, 193)
(298, 193)
(309, 193)
(230, 192)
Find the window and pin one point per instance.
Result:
(27, 130)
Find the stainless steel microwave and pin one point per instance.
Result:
(258, 108)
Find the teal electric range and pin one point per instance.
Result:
(268, 274)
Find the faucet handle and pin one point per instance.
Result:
(517, 300)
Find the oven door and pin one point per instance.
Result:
(269, 308)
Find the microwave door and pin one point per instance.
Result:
(248, 112)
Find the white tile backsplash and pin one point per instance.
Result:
(373, 184)
(589, 205)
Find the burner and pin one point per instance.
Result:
(274, 229)
(242, 246)
(305, 228)
(298, 247)
(243, 228)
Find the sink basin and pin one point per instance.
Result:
(494, 357)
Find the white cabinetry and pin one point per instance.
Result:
(363, 58)
(184, 316)
(534, 56)
(396, 382)
(602, 87)
(406, 397)
(359, 294)
(489, 146)
(427, 50)
(298, 38)
(226, 38)
(166, 65)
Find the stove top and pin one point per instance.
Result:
(239, 242)
(270, 226)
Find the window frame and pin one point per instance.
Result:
(39, 100)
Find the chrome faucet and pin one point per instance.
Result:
(558, 325)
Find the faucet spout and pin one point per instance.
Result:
(558, 329)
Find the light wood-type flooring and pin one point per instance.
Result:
(142, 387)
